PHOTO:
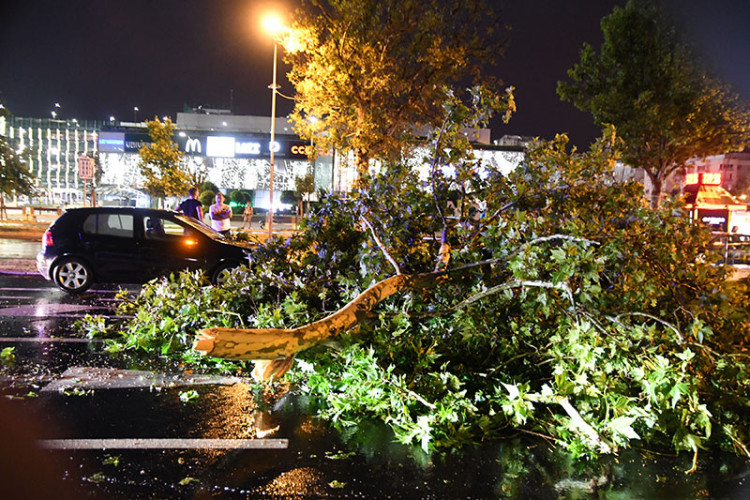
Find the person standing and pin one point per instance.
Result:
(191, 207)
(221, 215)
(247, 216)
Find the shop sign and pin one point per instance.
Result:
(704, 178)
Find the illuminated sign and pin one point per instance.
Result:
(135, 144)
(220, 146)
(712, 178)
(212, 146)
(247, 148)
(302, 150)
(112, 142)
(231, 147)
(705, 178)
(713, 220)
(193, 145)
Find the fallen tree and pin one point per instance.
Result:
(566, 308)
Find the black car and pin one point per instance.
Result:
(131, 245)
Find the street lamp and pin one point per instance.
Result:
(273, 26)
(135, 113)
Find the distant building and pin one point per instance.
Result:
(232, 151)
(733, 167)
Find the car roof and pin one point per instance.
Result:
(126, 210)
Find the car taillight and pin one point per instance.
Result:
(47, 239)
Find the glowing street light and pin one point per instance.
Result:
(135, 113)
(273, 25)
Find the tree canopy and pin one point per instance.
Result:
(372, 72)
(645, 81)
(161, 162)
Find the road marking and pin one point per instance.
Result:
(163, 444)
(8, 289)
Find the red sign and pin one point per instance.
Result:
(705, 178)
(86, 167)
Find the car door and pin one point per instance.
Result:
(110, 245)
(167, 245)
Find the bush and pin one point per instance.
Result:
(207, 198)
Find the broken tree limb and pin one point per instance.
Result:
(281, 343)
(584, 426)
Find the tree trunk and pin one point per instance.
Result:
(656, 187)
(277, 345)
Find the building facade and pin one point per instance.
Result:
(231, 151)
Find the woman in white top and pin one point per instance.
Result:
(221, 215)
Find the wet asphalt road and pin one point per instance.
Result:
(79, 423)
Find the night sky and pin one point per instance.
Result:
(100, 58)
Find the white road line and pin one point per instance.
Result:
(8, 289)
(163, 444)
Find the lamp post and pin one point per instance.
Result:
(135, 113)
(273, 26)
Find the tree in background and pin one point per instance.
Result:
(14, 176)
(374, 72)
(304, 186)
(161, 162)
(645, 82)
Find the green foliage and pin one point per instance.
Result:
(644, 81)
(207, 198)
(567, 307)
(289, 197)
(238, 197)
(371, 71)
(8, 357)
(161, 162)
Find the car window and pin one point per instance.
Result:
(109, 224)
(159, 228)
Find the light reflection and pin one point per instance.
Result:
(301, 482)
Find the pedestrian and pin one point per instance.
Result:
(190, 206)
(221, 215)
(247, 216)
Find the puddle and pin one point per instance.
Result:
(86, 378)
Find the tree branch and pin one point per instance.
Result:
(515, 284)
(583, 426)
(382, 246)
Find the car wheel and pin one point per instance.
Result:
(73, 276)
(221, 273)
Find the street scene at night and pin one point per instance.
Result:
(374, 249)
